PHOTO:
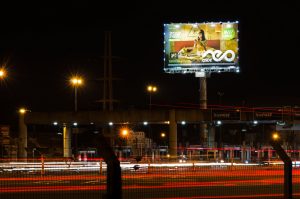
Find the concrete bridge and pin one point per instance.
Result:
(171, 117)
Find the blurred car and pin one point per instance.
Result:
(182, 158)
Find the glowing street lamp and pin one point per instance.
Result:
(275, 136)
(124, 133)
(22, 144)
(163, 138)
(2, 73)
(22, 111)
(76, 82)
(151, 89)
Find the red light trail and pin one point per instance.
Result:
(245, 178)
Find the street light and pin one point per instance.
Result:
(124, 132)
(151, 89)
(22, 140)
(76, 82)
(22, 111)
(163, 138)
(2, 73)
(275, 136)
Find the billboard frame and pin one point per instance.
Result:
(195, 68)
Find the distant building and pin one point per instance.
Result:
(139, 143)
(8, 147)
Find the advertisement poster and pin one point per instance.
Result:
(200, 46)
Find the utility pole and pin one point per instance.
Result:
(107, 97)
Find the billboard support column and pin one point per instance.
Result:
(203, 93)
(203, 105)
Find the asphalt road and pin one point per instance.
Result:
(225, 182)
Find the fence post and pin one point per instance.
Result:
(114, 181)
(43, 166)
(100, 167)
(149, 168)
(288, 185)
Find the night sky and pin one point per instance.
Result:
(42, 44)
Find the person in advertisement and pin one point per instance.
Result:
(200, 42)
(194, 52)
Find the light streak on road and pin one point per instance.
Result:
(169, 185)
(234, 196)
(51, 188)
(93, 166)
(81, 176)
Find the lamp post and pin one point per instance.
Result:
(124, 134)
(76, 82)
(151, 89)
(22, 139)
(220, 144)
(163, 137)
(164, 146)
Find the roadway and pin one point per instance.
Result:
(214, 181)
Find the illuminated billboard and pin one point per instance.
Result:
(201, 47)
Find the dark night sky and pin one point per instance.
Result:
(43, 43)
